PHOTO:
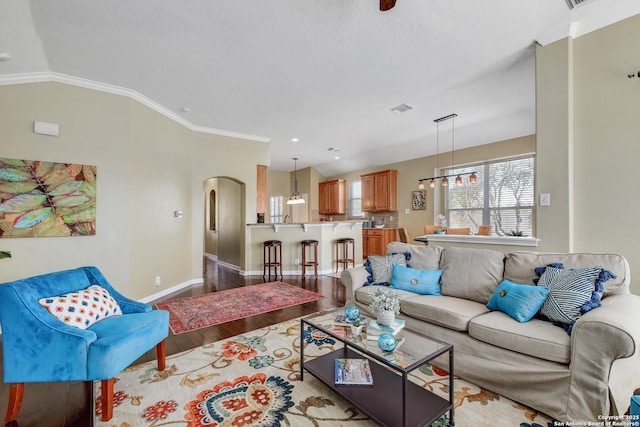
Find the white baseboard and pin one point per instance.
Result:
(328, 272)
(170, 290)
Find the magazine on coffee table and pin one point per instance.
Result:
(353, 372)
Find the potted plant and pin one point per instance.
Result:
(5, 254)
(516, 233)
(356, 328)
(386, 305)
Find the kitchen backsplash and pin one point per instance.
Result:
(390, 219)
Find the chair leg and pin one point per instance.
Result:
(16, 392)
(161, 353)
(107, 399)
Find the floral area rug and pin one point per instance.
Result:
(189, 314)
(254, 380)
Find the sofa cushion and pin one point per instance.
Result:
(82, 308)
(520, 267)
(596, 294)
(450, 312)
(535, 338)
(120, 339)
(423, 282)
(471, 273)
(380, 268)
(569, 291)
(521, 302)
(419, 256)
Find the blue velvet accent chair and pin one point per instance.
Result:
(38, 347)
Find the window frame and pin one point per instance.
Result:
(487, 210)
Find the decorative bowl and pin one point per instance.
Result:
(352, 313)
(387, 342)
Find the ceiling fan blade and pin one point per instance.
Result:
(387, 4)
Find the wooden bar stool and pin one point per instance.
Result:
(342, 253)
(272, 257)
(309, 262)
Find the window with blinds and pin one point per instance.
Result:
(503, 197)
(275, 209)
(355, 200)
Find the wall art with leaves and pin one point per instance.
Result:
(46, 199)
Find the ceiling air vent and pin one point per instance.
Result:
(402, 108)
(575, 3)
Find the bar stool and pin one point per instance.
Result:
(343, 245)
(312, 262)
(272, 257)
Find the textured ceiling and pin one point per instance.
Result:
(325, 71)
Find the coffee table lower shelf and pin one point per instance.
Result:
(382, 401)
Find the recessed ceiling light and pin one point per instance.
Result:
(4, 56)
(294, 140)
(336, 157)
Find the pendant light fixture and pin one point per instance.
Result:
(445, 178)
(295, 198)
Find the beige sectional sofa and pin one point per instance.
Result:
(578, 377)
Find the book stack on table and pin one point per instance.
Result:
(375, 329)
(341, 320)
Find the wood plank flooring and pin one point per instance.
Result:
(69, 404)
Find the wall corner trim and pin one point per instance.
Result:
(49, 76)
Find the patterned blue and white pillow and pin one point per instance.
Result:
(381, 267)
(569, 291)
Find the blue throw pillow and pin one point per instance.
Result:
(424, 282)
(521, 302)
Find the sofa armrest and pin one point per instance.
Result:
(31, 335)
(352, 279)
(617, 325)
(599, 338)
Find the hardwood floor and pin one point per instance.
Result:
(69, 404)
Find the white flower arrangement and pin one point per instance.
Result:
(384, 299)
(442, 221)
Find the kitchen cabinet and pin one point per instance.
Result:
(332, 197)
(261, 189)
(375, 240)
(380, 191)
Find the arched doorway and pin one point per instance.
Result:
(224, 221)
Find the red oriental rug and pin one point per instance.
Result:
(189, 314)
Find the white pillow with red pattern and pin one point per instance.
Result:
(83, 308)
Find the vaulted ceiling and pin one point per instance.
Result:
(327, 72)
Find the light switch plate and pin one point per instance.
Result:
(545, 199)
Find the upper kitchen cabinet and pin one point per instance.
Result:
(380, 191)
(332, 197)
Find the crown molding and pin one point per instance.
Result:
(48, 76)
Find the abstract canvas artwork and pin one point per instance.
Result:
(46, 199)
(419, 200)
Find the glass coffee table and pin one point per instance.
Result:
(393, 399)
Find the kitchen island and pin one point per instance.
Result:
(291, 234)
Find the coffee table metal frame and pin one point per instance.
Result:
(382, 402)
